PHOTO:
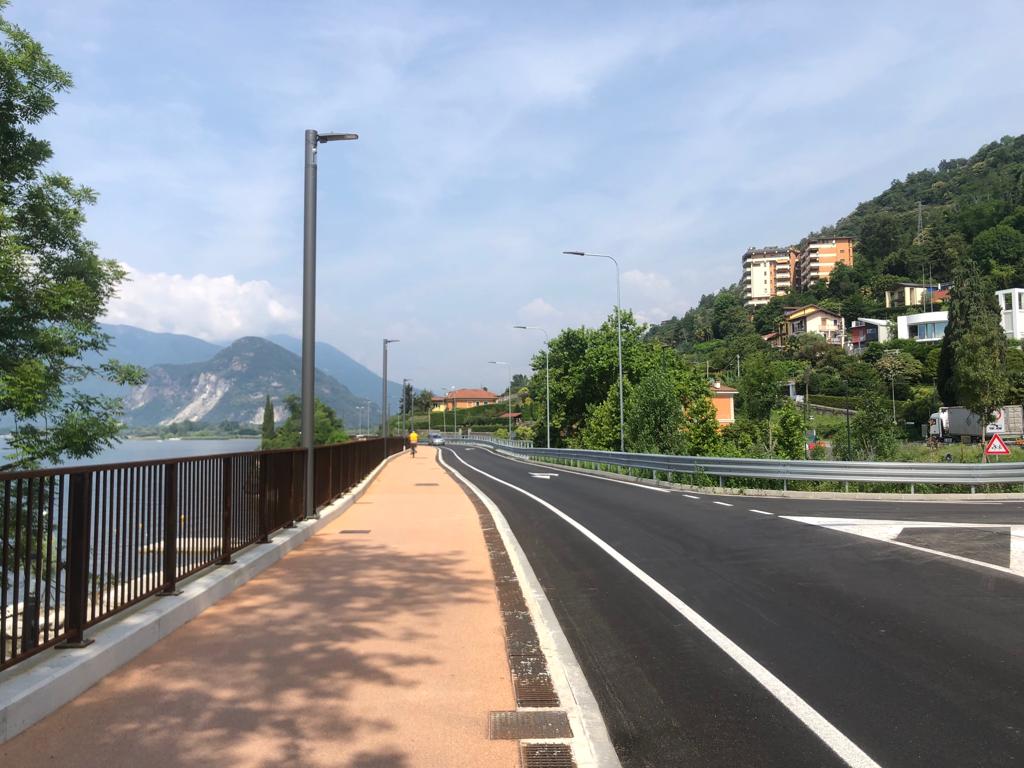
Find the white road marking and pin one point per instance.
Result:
(587, 474)
(690, 497)
(762, 512)
(888, 530)
(836, 740)
(544, 475)
(722, 503)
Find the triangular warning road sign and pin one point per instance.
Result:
(996, 447)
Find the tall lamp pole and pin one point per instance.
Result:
(455, 409)
(384, 396)
(618, 327)
(405, 382)
(509, 409)
(547, 372)
(313, 138)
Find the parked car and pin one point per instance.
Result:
(435, 438)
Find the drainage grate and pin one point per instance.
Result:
(531, 681)
(424, 483)
(546, 756)
(355, 530)
(529, 725)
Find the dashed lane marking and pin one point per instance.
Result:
(722, 503)
(691, 497)
(762, 512)
(835, 739)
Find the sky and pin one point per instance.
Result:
(494, 136)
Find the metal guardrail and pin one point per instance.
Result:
(909, 473)
(80, 544)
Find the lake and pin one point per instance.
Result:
(149, 450)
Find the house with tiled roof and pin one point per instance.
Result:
(463, 398)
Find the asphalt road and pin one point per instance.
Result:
(715, 635)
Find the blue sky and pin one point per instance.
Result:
(672, 135)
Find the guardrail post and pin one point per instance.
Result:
(225, 527)
(78, 562)
(170, 582)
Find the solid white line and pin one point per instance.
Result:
(722, 503)
(836, 740)
(570, 683)
(585, 474)
(762, 512)
(690, 497)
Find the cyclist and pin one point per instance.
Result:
(413, 441)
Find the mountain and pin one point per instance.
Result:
(232, 386)
(357, 377)
(134, 345)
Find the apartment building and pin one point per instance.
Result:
(767, 272)
(820, 257)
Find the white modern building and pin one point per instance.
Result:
(1011, 311)
(922, 326)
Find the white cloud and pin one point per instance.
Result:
(537, 309)
(215, 308)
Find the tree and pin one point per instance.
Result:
(654, 414)
(268, 420)
(701, 429)
(53, 285)
(898, 366)
(971, 370)
(408, 396)
(424, 400)
(789, 432)
(759, 386)
(327, 427)
(873, 433)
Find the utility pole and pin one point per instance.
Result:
(384, 396)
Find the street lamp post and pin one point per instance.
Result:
(618, 327)
(404, 383)
(509, 409)
(384, 397)
(455, 410)
(313, 138)
(547, 372)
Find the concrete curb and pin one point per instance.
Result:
(821, 495)
(32, 690)
(592, 746)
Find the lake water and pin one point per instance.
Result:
(149, 450)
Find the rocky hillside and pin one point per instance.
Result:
(231, 386)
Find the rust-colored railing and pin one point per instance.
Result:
(80, 544)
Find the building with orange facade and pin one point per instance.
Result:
(767, 272)
(724, 400)
(463, 398)
(820, 257)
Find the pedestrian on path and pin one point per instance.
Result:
(414, 439)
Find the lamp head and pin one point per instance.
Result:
(323, 138)
(574, 253)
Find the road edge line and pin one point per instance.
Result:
(841, 744)
(570, 681)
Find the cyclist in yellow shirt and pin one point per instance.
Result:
(413, 440)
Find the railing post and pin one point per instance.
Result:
(78, 562)
(170, 581)
(225, 527)
(264, 482)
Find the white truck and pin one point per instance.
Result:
(956, 422)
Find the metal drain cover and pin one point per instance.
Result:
(355, 530)
(529, 725)
(546, 756)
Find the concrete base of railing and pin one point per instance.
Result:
(924, 495)
(33, 689)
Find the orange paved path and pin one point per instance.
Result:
(359, 651)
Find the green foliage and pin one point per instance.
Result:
(654, 414)
(973, 358)
(700, 428)
(53, 285)
(268, 420)
(327, 427)
(788, 432)
(760, 385)
(874, 436)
